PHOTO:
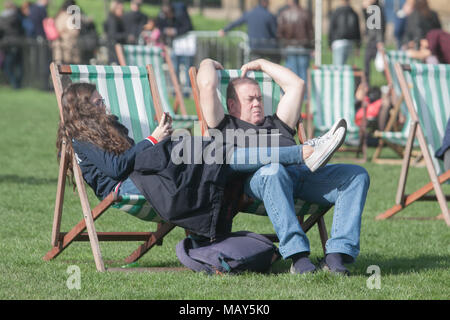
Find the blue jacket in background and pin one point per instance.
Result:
(103, 170)
(445, 143)
(37, 14)
(261, 27)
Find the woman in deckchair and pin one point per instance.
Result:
(111, 161)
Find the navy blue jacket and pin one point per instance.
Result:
(261, 26)
(445, 143)
(37, 14)
(187, 194)
(103, 170)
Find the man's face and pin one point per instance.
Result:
(249, 105)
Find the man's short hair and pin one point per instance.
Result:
(231, 88)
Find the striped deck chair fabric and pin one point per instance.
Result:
(399, 137)
(271, 93)
(141, 55)
(431, 95)
(401, 57)
(127, 95)
(333, 97)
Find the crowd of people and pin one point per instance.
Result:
(290, 33)
(287, 35)
(75, 39)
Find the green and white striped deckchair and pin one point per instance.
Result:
(395, 138)
(332, 97)
(429, 105)
(271, 93)
(141, 55)
(127, 95)
(401, 57)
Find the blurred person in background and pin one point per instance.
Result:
(65, 48)
(261, 29)
(400, 17)
(38, 12)
(296, 35)
(134, 21)
(419, 23)
(150, 34)
(172, 23)
(11, 38)
(434, 48)
(344, 33)
(27, 23)
(115, 29)
(374, 35)
(184, 45)
(41, 48)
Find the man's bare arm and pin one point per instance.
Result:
(289, 107)
(207, 81)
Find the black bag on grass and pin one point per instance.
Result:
(237, 252)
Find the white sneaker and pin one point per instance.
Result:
(323, 151)
(318, 140)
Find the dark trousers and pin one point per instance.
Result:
(371, 53)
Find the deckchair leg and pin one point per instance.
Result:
(413, 197)
(88, 217)
(155, 237)
(64, 241)
(378, 150)
(405, 165)
(323, 233)
(434, 178)
(63, 164)
(176, 85)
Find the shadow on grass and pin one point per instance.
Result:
(387, 265)
(13, 178)
(400, 265)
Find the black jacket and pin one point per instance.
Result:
(188, 195)
(103, 170)
(417, 26)
(344, 24)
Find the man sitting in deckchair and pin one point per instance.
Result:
(343, 185)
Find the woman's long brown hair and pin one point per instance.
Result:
(423, 8)
(87, 122)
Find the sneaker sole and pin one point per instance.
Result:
(337, 148)
(320, 164)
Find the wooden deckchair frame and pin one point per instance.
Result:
(306, 225)
(362, 147)
(179, 101)
(392, 124)
(60, 240)
(403, 200)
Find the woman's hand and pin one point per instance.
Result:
(164, 129)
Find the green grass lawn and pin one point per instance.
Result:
(413, 255)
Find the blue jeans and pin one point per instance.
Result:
(187, 61)
(299, 64)
(245, 160)
(341, 51)
(344, 186)
(128, 187)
